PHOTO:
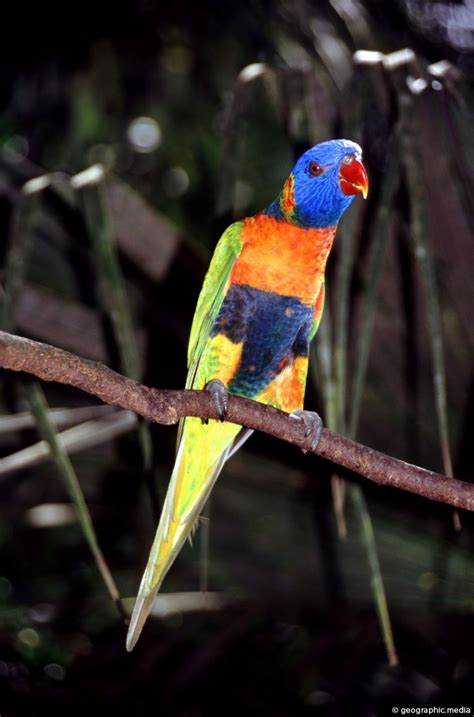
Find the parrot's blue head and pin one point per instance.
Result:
(322, 185)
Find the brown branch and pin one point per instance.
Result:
(167, 407)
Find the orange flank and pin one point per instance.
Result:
(319, 305)
(280, 257)
(287, 390)
(288, 196)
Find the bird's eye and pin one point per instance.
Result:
(314, 169)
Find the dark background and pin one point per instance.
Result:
(296, 630)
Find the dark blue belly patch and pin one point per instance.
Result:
(273, 329)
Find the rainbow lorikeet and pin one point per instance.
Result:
(258, 310)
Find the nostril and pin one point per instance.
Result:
(347, 159)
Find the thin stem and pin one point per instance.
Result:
(90, 185)
(374, 262)
(424, 256)
(39, 408)
(376, 582)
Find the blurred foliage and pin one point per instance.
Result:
(196, 113)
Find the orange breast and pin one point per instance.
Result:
(283, 258)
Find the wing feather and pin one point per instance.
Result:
(212, 295)
(318, 311)
(210, 301)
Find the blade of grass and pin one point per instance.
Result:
(376, 580)
(345, 259)
(90, 185)
(73, 440)
(39, 409)
(343, 282)
(423, 251)
(369, 540)
(321, 367)
(380, 236)
(59, 417)
(360, 94)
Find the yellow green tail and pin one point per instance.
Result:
(202, 452)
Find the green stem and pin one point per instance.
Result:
(376, 581)
(408, 133)
(40, 410)
(369, 305)
(91, 187)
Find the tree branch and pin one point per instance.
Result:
(167, 407)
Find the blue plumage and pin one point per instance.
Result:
(273, 329)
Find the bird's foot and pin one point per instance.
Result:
(220, 397)
(313, 427)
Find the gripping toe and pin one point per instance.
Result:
(220, 397)
(313, 427)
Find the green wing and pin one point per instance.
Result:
(318, 312)
(212, 295)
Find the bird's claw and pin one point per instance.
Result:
(313, 427)
(220, 397)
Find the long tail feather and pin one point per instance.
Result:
(201, 455)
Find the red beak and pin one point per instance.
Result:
(353, 178)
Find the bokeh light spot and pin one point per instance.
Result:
(176, 182)
(55, 671)
(144, 134)
(29, 637)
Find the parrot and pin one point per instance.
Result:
(258, 310)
